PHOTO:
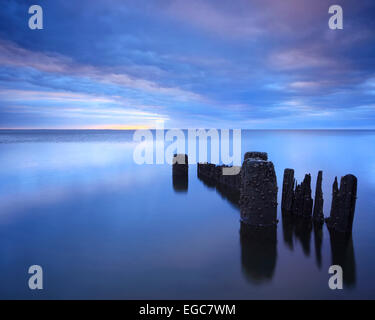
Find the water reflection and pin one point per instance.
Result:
(318, 241)
(180, 183)
(146, 245)
(297, 228)
(258, 253)
(342, 251)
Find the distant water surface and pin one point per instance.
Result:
(102, 226)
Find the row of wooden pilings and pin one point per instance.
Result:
(256, 185)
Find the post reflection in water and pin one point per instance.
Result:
(297, 228)
(56, 186)
(180, 183)
(258, 252)
(318, 241)
(342, 251)
(300, 229)
(226, 193)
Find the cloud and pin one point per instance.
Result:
(201, 63)
(305, 58)
(13, 55)
(249, 19)
(211, 16)
(112, 110)
(65, 97)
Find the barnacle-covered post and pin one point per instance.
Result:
(343, 204)
(302, 202)
(258, 200)
(318, 215)
(288, 191)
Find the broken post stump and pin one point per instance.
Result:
(258, 199)
(215, 175)
(180, 165)
(318, 214)
(180, 172)
(343, 204)
(302, 202)
(288, 191)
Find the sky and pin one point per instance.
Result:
(250, 64)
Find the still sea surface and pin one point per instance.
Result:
(101, 226)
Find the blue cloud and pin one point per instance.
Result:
(252, 64)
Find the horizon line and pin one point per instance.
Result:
(133, 129)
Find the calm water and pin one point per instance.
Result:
(101, 226)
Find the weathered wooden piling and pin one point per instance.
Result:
(318, 215)
(180, 165)
(258, 200)
(180, 172)
(288, 191)
(343, 204)
(302, 202)
(307, 199)
(215, 174)
(335, 201)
